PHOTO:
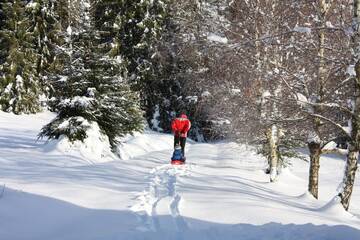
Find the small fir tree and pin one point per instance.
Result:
(75, 102)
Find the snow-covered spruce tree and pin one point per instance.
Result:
(3, 51)
(137, 25)
(46, 35)
(75, 101)
(141, 37)
(93, 84)
(20, 86)
(118, 107)
(27, 35)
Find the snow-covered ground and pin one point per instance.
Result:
(54, 191)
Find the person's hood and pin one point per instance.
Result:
(183, 116)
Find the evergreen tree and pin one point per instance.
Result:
(3, 51)
(46, 35)
(137, 27)
(118, 110)
(138, 24)
(93, 86)
(19, 82)
(26, 36)
(75, 101)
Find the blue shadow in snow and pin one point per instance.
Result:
(27, 216)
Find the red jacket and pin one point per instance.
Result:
(181, 125)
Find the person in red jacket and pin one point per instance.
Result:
(180, 127)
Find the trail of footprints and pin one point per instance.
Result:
(162, 187)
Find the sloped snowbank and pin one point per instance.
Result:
(335, 208)
(94, 149)
(143, 143)
(22, 131)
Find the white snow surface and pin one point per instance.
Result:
(301, 29)
(155, 121)
(216, 38)
(235, 91)
(266, 94)
(330, 146)
(31, 4)
(221, 193)
(69, 30)
(206, 94)
(94, 149)
(302, 99)
(78, 101)
(351, 70)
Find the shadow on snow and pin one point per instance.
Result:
(30, 216)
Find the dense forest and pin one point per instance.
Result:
(280, 75)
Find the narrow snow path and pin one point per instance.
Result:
(161, 194)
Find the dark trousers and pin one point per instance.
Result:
(182, 142)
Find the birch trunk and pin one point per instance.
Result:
(349, 177)
(315, 152)
(352, 157)
(272, 137)
(315, 146)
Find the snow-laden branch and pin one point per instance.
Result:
(331, 147)
(277, 35)
(344, 130)
(326, 105)
(302, 100)
(335, 150)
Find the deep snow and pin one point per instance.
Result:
(58, 191)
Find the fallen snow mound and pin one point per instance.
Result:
(94, 149)
(142, 143)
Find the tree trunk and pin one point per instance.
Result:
(321, 52)
(314, 144)
(272, 137)
(315, 152)
(349, 177)
(352, 157)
